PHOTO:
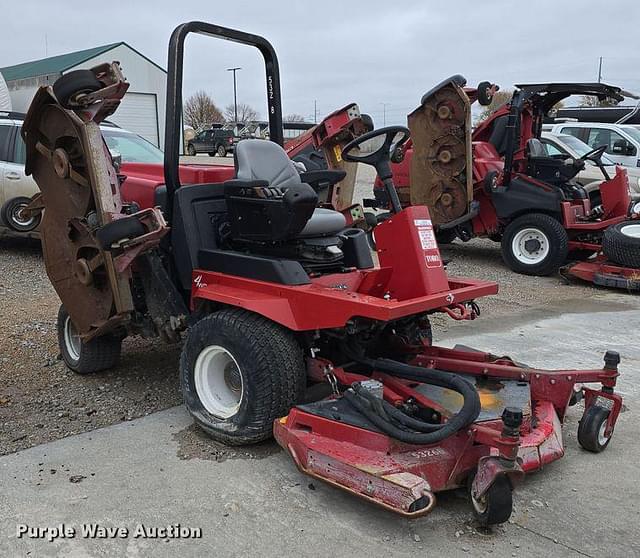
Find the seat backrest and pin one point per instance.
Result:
(265, 160)
(498, 137)
(198, 211)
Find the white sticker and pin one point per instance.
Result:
(422, 222)
(427, 239)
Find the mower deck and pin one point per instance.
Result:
(600, 271)
(331, 441)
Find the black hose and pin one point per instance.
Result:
(401, 426)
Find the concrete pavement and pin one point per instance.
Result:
(256, 502)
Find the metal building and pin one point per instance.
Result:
(143, 108)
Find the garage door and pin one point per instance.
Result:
(138, 113)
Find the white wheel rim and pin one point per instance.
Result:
(632, 231)
(530, 246)
(72, 341)
(219, 383)
(602, 438)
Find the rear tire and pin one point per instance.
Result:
(191, 150)
(71, 86)
(221, 151)
(11, 215)
(535, 244)
(239, 372)
(98, 354)
(621, 243)
(446, 236)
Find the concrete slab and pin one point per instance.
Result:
(583, 505)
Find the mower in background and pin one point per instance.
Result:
(291, 329)
(499, 182)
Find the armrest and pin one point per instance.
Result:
(250, 189)
(320, 179)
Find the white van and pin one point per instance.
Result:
(622, 140)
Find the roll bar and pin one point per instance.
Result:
(173, 120)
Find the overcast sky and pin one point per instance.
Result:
(336, 52)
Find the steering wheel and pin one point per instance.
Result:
(383, 153)
(381, 157)
(594, 155)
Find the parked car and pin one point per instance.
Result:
(16, 189)
(622, 140)
(216, 141)
(566, 145)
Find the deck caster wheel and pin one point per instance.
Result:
(239, 372)
(72, 87)
(497, 503)
(591, 430)
(83, 357)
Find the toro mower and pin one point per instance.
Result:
(291, 329)
(499, 182)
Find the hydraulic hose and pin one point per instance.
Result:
(398, 425)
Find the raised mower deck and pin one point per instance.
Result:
(331, 442)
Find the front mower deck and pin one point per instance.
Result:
(331, 441)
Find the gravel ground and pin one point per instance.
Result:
(41, 400)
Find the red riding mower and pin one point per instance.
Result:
(499, 182)
(285, 312)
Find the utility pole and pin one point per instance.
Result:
(384, 113)
(315, 111)
(235, 93)
(600, 70)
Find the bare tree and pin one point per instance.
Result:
(592, 101)
(293, 118)
(200, 111)
(246, 113)
(499, 98)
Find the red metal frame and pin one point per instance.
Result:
(410, 280)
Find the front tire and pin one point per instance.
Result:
(535, 244)
(191, 150)
(82, 357)
(239, 372)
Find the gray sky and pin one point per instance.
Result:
(370, 52)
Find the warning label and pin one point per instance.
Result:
(427, 238)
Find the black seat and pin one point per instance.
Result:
(268, 201)
(556, 171)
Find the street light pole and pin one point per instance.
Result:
(384, 113)
(600, 70)
(235, 93)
